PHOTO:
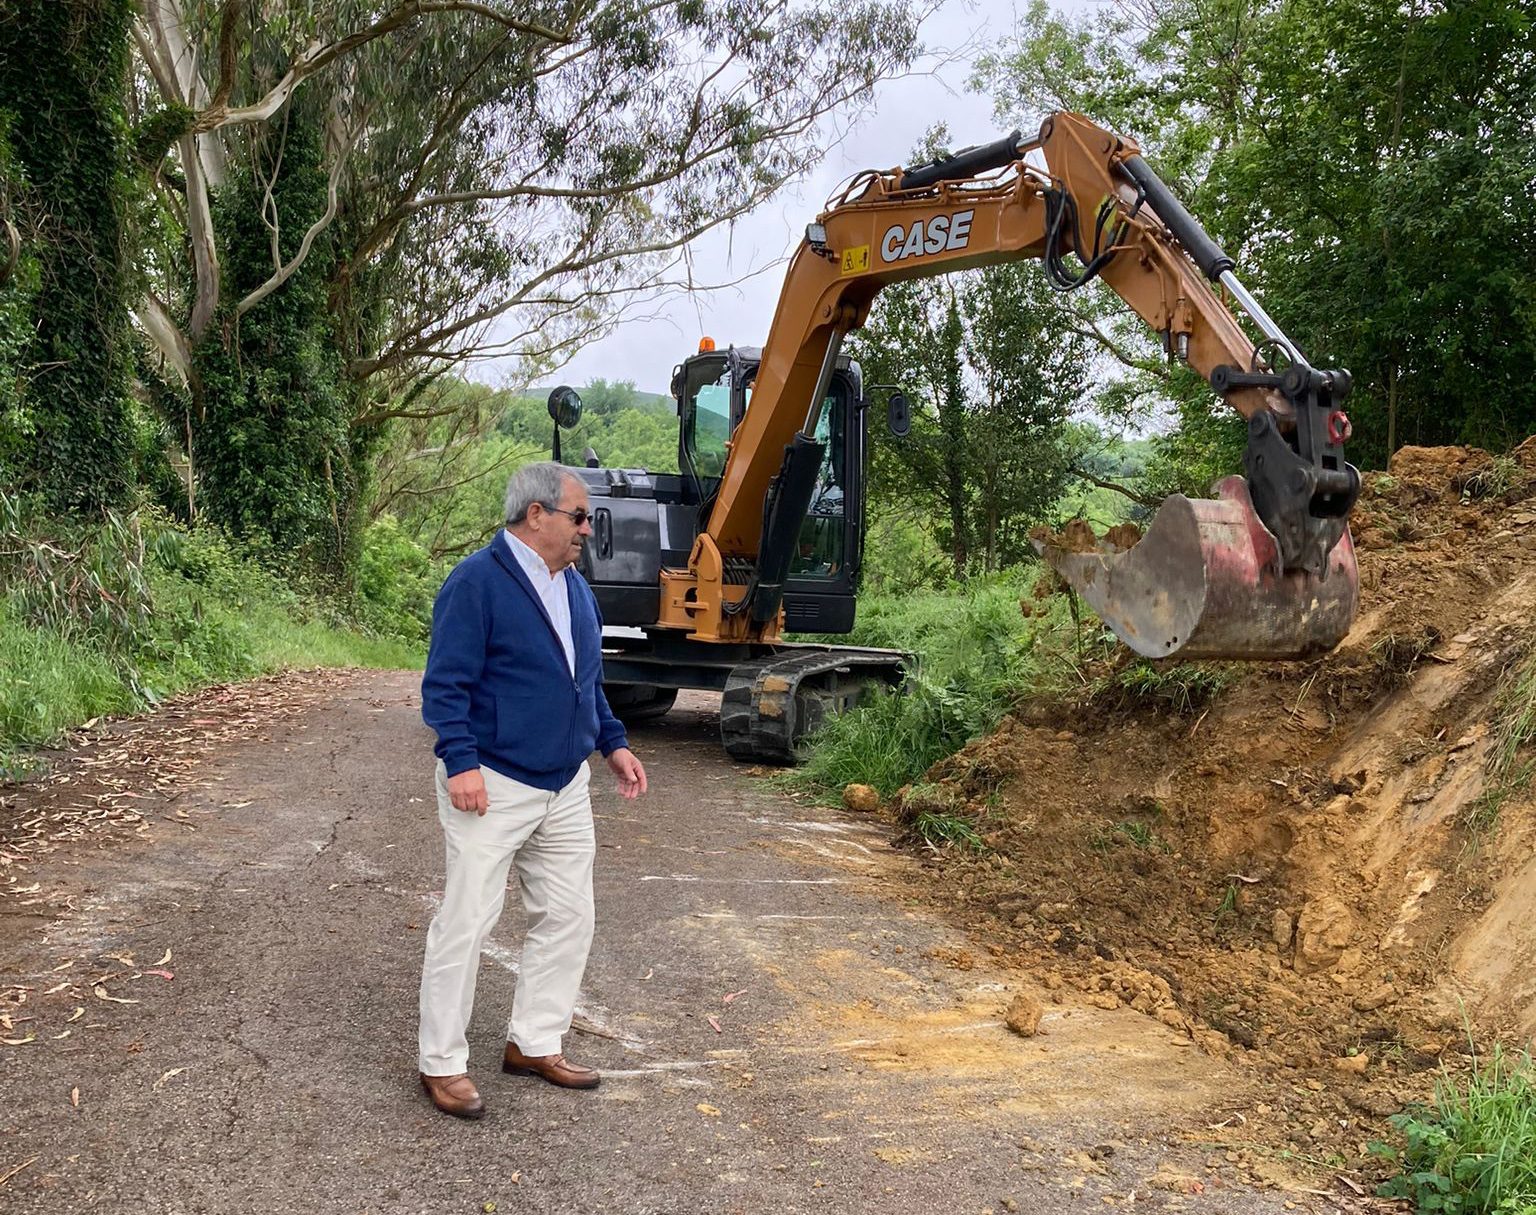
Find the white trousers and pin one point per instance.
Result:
(548, 836)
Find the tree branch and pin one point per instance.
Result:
(154, 318)
(227, 61)
(319, 56)
(1141, 499)
(284, 273)
(1084, 327)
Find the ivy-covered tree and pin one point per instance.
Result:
(66, 430)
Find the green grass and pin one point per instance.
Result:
(1181, 687)
(977, 653)
(1137, 834)
(1474, 1150)
(945, 830)
(202, 615)
(50, 684)
(1502, 474)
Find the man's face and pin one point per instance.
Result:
(557, 537)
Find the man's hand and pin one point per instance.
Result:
(467, 792)
(629, 770)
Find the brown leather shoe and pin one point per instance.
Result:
(557, 1069)
(454, 1095)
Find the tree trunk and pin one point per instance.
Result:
(1391, 410)
(72, 149)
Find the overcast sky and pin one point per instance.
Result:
(645, 350)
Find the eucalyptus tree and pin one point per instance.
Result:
(351, 200)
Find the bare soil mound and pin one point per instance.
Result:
(1311, 865)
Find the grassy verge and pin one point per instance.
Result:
(982, 649)
(1474, 1151)
(114, 621)
(977, 652)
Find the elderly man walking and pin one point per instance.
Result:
(513, 688)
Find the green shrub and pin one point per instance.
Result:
(1474, 1151)
(396, 582)
(976, 653)
(84, 582)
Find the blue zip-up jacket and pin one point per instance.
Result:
(497, 688)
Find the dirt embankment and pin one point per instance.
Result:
(1298, 872)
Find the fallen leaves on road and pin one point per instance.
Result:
(708, 1110)
(74, 1096)
(102, 994)
(714, 1025)
(11, 1172)
(91, 790)
(19, 1041)
(170, 1075)
(731, 995)
(164, 974)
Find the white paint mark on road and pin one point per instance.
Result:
(824, 828)
(831, 853)
(656, 1069)
(693, 877)
(731, 915)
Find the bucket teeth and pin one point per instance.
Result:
(1206, 582)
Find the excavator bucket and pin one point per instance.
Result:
(1206, 582)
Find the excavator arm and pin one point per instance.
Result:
(1264, 570)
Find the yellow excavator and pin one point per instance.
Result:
(760, 533)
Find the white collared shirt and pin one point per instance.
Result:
(551, 590)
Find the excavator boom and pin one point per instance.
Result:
(1264, 570)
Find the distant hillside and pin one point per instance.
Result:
(601, 397)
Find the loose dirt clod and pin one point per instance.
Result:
(1023, 1015)
(861, 798)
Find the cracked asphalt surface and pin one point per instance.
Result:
(854, 1067)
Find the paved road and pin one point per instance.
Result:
(861, 1066)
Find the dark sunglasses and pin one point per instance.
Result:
(578, 516)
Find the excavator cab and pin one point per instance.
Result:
(713, 391)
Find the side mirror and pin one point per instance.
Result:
(898, 415)
(565, 407)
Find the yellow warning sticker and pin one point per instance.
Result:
(856, 260)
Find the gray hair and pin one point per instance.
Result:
(542, 482)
